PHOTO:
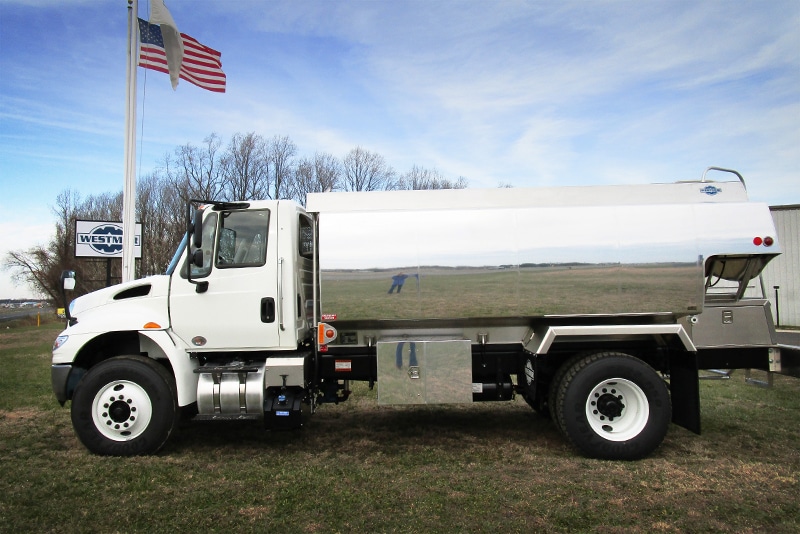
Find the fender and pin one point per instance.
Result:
(540, 342)
(160, 344)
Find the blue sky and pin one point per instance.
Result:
(500, 92)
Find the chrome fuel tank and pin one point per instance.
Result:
(511, 253)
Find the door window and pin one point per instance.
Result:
(242, 239)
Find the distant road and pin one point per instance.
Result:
(21, 313)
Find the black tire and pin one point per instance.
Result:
(125, 406)
(552, 394)
(613, 406)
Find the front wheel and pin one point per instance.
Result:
(613, 406)
(125, 406)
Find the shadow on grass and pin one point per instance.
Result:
(384, 430)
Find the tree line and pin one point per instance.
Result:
(248, 167)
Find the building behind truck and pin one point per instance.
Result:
(597, 305)
(782, 276)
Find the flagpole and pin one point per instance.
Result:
(129, 189)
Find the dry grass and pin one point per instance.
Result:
(359, 467)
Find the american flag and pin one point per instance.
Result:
(201, 65)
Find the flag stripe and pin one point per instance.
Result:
(201, 66)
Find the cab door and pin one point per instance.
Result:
(236, 305)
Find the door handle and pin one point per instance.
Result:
(268, 310)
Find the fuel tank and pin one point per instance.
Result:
(517, 253)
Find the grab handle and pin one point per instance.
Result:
(741, 178)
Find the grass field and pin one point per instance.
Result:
(358, 467)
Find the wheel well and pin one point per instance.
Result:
(109, 345)
(561, 354)
(654, 355)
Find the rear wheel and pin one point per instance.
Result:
(125, 406)
(552, 394)
(613, 406)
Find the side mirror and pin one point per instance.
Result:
(68, 280)
(197, 229)
(67, 284)
(197, 258)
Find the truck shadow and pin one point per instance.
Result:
(384, 430)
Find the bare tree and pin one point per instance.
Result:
(281, 152)
(316, 175)
(197, 172)
(162, 212)
(40, 267)
(363, 170)
(421, 178)
(246, 167)
(160, 208)
(36, 266)
(33, 268)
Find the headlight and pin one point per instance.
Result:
(60, 340)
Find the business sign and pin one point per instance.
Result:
(97, 239)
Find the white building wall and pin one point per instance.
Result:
(784, 271)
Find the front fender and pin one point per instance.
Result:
(158, 343)
(81, 351)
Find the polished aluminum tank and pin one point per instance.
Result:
(517, 253)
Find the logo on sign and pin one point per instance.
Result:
(711, 190)
(105, 239)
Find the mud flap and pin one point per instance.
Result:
(684, 385)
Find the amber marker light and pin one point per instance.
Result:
(325, 334)
(152, 326)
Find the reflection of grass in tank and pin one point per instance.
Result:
(530, 291)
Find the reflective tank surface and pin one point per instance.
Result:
(511, 253)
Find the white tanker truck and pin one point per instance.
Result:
(597, 305)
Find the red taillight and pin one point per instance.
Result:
(768, 241)
(757, 241)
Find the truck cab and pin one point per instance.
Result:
(250, 279)
(238, 292)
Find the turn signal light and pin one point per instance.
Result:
(325, 334)
(152, 326)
